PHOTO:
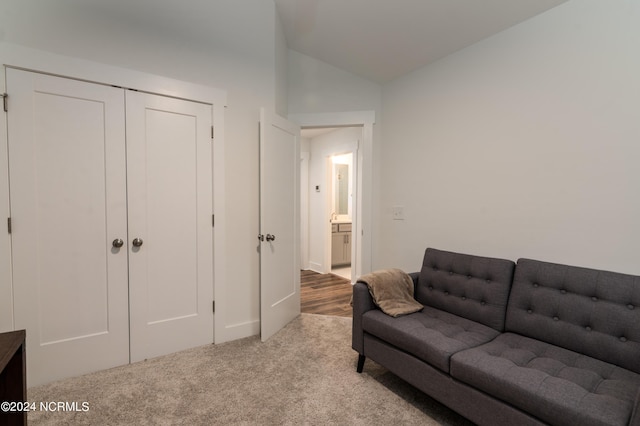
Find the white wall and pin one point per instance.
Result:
(339, 141)
(304, 202)
(281, 64)
(523, 145)
(239, 58)
(315, 86)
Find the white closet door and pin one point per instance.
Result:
(68, 203)
(169, 175)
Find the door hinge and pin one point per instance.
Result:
(4, 102)
(212, 132)
(213, 220)
(213, 306)
(9, 224)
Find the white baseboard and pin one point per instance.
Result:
(316, 267)
(239, 331)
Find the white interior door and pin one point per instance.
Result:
(169, 175)
(68, 203)
(279, 223)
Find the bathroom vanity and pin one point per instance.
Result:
(341, 244)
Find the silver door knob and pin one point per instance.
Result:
(137, 242)
(271, 237)
(117, 243)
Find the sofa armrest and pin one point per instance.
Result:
(362, 302)
(635, 414)
(414, 277)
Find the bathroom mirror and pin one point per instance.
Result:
(342, 186)
(341, 191)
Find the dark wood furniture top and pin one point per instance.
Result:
(13, 379)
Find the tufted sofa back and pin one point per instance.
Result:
(596, 313)
(473, 287)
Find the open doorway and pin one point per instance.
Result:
(313, 125)
(329, 207)
(328, 218)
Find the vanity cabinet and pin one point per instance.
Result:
(340, 244)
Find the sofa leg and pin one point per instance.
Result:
(361, 359)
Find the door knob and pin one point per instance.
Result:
(137, 242)
(117, 243)
(271, 237)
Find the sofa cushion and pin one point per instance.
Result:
(593, 312)
(431, 335)
(554, 384)
(473, 287)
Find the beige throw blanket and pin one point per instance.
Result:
(392, 291)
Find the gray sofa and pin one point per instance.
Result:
(506, 344)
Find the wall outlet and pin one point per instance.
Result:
(397, 212)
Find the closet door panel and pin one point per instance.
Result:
(170, 205)
(68, 203)
(170, 225)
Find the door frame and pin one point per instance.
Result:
(364, 201)
(49, 63)
(304, 209)
(6, 287)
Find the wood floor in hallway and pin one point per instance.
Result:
(325, 294)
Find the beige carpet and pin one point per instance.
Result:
(304, 375)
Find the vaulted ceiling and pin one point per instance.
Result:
(377, 39)
(384, 39)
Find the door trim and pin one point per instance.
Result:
(6, 287)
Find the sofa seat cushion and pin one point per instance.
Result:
(556, 385)
(431, 335)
